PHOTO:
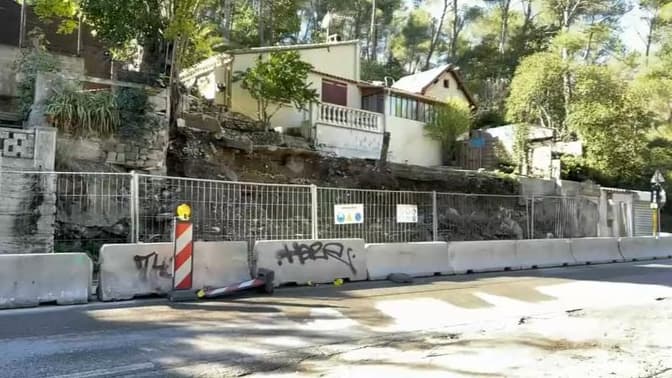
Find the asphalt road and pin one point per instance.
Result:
(257, 334)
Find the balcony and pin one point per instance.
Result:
(352, 118)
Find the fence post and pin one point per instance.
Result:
(435, 218)
(135, 207)
(313, 212)
(532, 217)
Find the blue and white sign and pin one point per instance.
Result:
(349, 214)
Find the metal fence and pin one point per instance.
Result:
(90, 209)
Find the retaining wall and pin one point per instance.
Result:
(30, 279)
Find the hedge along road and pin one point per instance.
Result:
(298, 327)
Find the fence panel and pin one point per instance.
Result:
(92, 209)
(81, 211)
(564, 217)
(223, 210)
(482, 217)
(380, 223)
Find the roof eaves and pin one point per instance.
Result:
(258, 50)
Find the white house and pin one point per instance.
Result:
(352, 115)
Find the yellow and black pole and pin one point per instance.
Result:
(656, 200)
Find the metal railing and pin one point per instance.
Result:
(85, 210)
(349, 117)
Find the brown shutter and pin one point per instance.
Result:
(334, 92)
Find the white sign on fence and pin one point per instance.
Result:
(349, 214)
(407, 213)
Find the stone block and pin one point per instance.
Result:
(121, 157)
(111, 157)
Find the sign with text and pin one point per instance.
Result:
(349, 214)
(407, 213)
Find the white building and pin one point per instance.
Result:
(352, 115)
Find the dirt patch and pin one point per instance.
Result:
(202, 155)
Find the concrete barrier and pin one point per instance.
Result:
(131, 270)
(596, 250)
(30, 279)
(319, 261)
(645, 248)
(218, 264)
(414, 259)
(483, 256)
(544, 253)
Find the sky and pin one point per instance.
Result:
(631, 23)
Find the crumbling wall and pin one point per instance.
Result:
(28, 204)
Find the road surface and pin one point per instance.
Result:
(599, 321)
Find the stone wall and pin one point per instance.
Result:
(144, 150)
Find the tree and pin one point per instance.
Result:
(412, 44)
(658, 17)
(448, 122)
(611, 121)
(536, 92)
(438, 29)
(280, 80)
(374, 71)
(461, 16)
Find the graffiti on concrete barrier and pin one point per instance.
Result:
(317, 251)
(151, 262)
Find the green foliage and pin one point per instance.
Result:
(280, 80)
(610, 121)
(132, 105)
(485, 118)
(29, 63)
(375, 71)
(536, 91)
(66, 11)
(411, 46)
(521, 140)
(83, 113)
(448, 122)
(280, 18)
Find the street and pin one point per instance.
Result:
(599, 321)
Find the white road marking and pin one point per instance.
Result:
(111, 371)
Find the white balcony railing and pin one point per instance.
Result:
(349, 117)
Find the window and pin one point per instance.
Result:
(410, 108)
(446, 83)
(334, 92)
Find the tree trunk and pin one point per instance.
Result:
(589, 43)
(504, 27)
(566, 77)
(649, 39)
(372, 32)
(382, 162)
(261, 23)
(456, 31)
(436, 36)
